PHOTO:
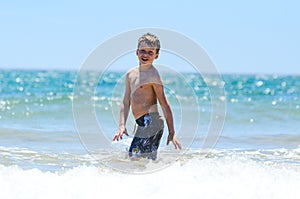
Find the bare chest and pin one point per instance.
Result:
(140, 80)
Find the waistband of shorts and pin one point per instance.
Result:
(154, 113)
(153, 116)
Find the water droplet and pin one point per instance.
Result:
(233, 100)
(214, 83)
(71, 97)
(205, 98)
(20, 89)
(222, 98)
(95, 98)
(18, 79)
(267, 91)
(259, 83)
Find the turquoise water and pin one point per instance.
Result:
(43, 146)
(261, 110)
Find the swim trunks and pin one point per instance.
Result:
(147, 137)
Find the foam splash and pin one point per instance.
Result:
(226, 177)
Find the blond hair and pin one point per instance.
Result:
(150, 40)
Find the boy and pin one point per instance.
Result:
(143, 88)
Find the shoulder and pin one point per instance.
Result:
(154, 77)
(132, 72)
(134, 69)
(155, 72)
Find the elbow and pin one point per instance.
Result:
(166, 107)
(126, 103)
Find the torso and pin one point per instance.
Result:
(142, 96)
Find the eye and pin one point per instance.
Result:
(143, 52)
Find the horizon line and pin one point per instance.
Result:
(124, 71)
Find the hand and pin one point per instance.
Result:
(122, 130)
(173, 139)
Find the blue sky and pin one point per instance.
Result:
(239, 36)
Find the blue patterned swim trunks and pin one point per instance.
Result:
(147, 137)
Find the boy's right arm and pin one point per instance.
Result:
(124, 111)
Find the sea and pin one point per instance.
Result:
(240, 135)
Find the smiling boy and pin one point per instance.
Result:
(144, 88)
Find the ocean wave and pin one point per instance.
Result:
(227, 177)
(116, 157)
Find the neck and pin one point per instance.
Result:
(145, 66)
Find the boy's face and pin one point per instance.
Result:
(146, 54)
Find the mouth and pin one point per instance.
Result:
(144, 59)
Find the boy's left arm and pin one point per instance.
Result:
(160, 94)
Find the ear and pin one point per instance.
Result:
(156, 56)
(137, 52)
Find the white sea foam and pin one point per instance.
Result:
(226, 177)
